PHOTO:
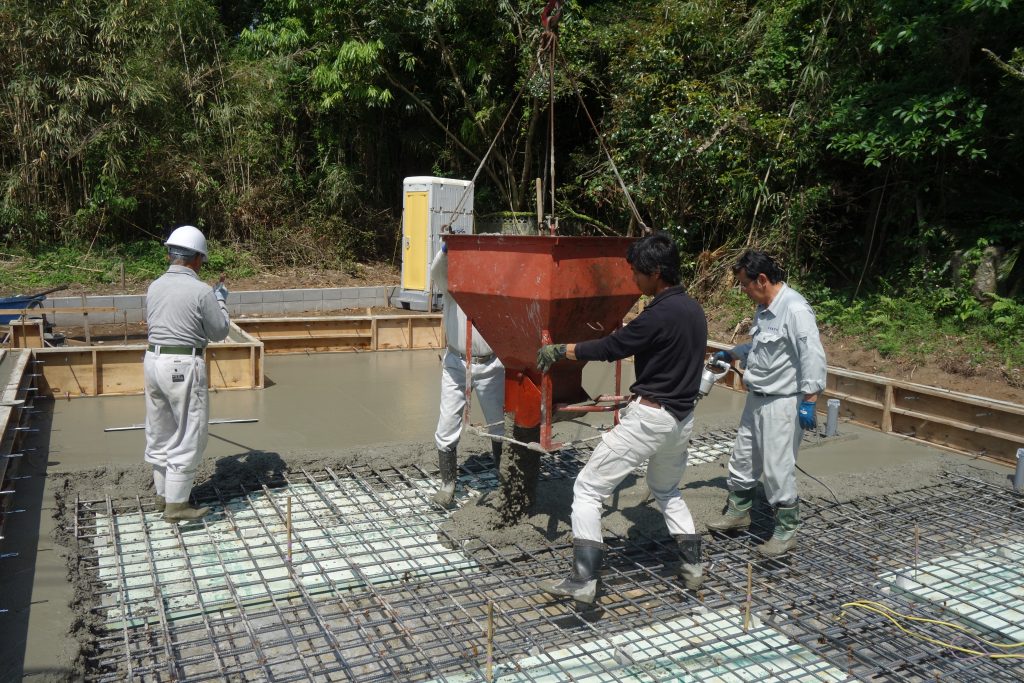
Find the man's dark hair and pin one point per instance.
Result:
(753, 263)
(655, 253)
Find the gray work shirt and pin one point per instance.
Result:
(454, 317)
(784, 356)
(181, 310)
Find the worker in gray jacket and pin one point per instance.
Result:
(488, 377)
(183, 314)
(785, 372)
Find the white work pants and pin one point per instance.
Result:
(488, 390)
(767, 442)
(177, 416)
(644, 434)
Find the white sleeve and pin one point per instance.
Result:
(810, 353)
(439, 272)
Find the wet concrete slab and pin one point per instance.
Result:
(322, 404)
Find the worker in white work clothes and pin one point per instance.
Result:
(183, 314)
(488, 378)
(667, 342)
(785, 372)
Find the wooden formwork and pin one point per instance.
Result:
(940, 417)
(951, 420)
(70, 372)
(15, 397)
(333, 334)
(26, 334)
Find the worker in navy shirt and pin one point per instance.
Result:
(667, 341)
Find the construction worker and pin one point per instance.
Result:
(183, 314)
(667, 341)
(488, 377)
(785, 371)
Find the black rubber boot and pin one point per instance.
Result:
(161, 503)
(449, 466)
(581, 585)
(496, 456)
(691, 567)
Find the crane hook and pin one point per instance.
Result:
(551, 14)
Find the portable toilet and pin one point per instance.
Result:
(428, 206)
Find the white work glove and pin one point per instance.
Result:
(221, 292)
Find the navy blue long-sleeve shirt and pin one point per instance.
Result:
(667, 340)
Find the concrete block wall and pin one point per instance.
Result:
(263, 302)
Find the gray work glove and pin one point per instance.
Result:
(221, 292)
(548, 355)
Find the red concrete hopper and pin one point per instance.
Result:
(516, 288)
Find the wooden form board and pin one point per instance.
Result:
(951, 420)
(36, 312)
(18, 388)
(334, 334)
(26, 334)
(71, 372)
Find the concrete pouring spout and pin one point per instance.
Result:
(713, 371)
(524, 291)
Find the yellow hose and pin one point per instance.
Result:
(895, 617)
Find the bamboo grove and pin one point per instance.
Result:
(855, 137)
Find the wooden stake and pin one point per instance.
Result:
(490, 641)
(917, 544)
(540, 205)
(85, 319)
(289, 528)
(750, 594)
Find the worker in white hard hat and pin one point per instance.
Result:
(183, 315)
(488, 378)
(785, 372)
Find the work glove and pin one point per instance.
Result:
(221, 292)
(808, 420)
(444, 247)
(722, 356)
(548, 355)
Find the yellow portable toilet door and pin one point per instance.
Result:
(414, 241)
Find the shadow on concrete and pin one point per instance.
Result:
(235, 474)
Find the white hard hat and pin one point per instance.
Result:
(188, 237)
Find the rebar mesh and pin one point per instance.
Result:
(376, 592)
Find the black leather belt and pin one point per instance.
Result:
(478, 359)
(176, 350)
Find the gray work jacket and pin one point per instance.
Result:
(784, 356)
(181, 310)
